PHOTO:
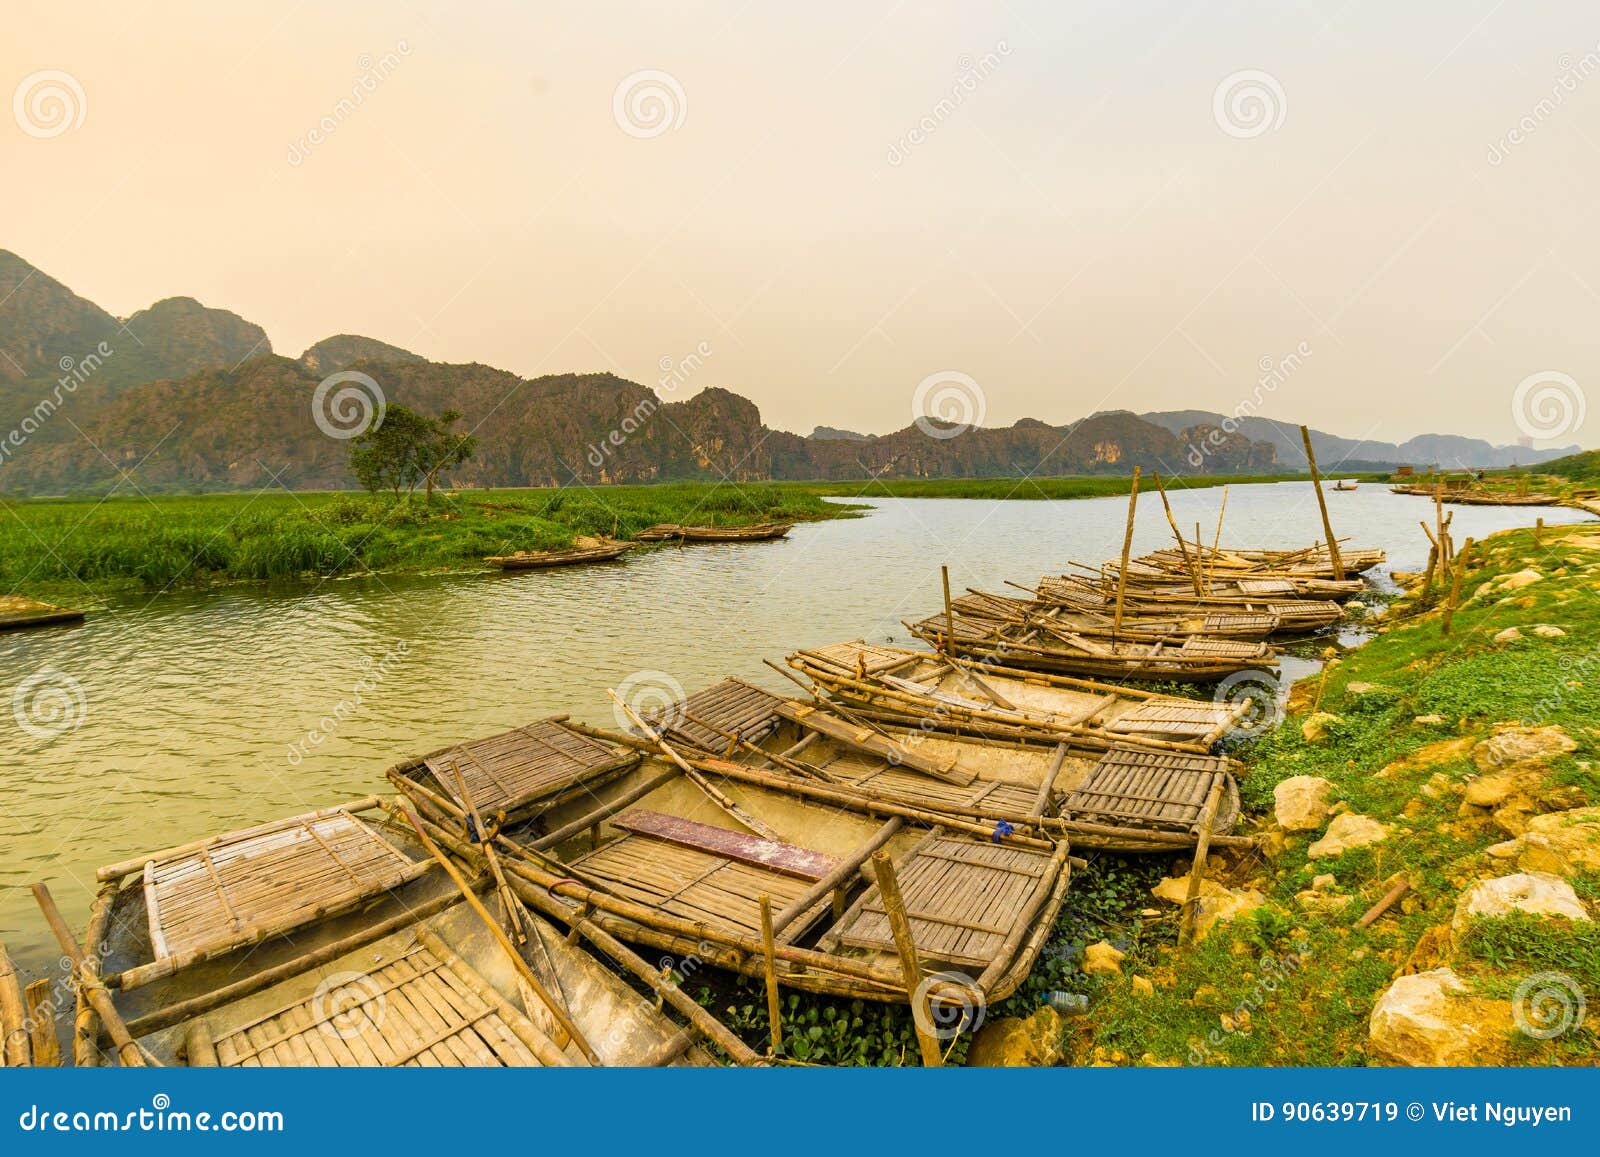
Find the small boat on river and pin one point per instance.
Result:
(18, 611)
(545, 559)
(758, 532)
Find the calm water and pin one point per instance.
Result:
(195, 710)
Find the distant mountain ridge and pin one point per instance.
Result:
(190, 397)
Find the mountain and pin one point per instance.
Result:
(834, 434)
(334, 354)
(1447, 450)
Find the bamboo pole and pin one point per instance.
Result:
(199, 1050)
(1042, 799)
(1127, 546)
(1384, 904)
(711, 792)
(85, 1022)
(510, 949)
(1322, 505)
(605, 811)
(88, 983)
(513, 910)
(839, 876)
(1183, 547)
(910, 968)
(949, 613)
(544, 1049)
(42, 1025)
(13, 1015)
(1454, 600)
(770, 968)
(1197, 871)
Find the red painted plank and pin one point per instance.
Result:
(785, 859)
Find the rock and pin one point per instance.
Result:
(1301, 803)
(1428, 720)
(1102, 959)
(1509, 635)
(1513, 744)
(1536, 892)
(1357, 687)
(1223, 905)
(1444, 751)
(1174, 889)
(1496, 787)
(1562, 843)
(1017, 1042)
(1272, 842)
(1315, 727)
(1432, 1019)
(1545, 631)
(1143, 987)
(1346, 832)
(1509, 850)
(1322, 903)
(1324, 882)
(1522, 578)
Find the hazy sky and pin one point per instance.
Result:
(843, 199)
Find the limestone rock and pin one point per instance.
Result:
(1536, 892)
(1174, 889)
(1102, 959)
(1346, 832)
(1546, 631)
(1225, 904)
(1432, 1019)
(1522, 578)
(1562, 843)
(1496, 787)
(1142, 986)
(1428, 720)
(1509, 635)
(1018, 1042)
(1512, 745)
(1315, 727)
(1301, 803)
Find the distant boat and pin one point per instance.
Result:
(1344, 485)
(18, 611)
(759, 532)
(544, 559)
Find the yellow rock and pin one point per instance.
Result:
(1102, 959)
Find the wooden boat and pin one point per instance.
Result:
(1293, 617)
(1093, 618)
(759, 532)
(1312, 560)
(17, 612)
(1475, 496)
(1160, 580)
(388, 964)
(1040, 646)
(1342, 485)
(545, 559)
(898, 687)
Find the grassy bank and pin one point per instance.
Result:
(65, 549)
(1294, 981)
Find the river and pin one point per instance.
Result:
(204, 711)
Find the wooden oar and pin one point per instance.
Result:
(711, 792)
(489, 922)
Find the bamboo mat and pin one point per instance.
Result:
(879, 777)
(1173, 718)
(525, 764)
(731, 707)
(962, 897)
(268, 880)
(1138, 788)
(415, 1011)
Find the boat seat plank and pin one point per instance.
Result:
(779, 857)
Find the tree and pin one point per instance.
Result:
(407, 449)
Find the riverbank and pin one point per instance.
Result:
(68, 549)
(1462, 765)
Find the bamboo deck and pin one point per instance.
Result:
(1158, 790)
(542, 763)
(707, 719)
(18, 612)
(265, 881)
(416, 1010)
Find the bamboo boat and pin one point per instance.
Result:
(1091, 617)
(190, 960)
(1313, 560)
(1040, 646)
(545, 559)
(1473, 496)
(1294, 616)
(916, 689)
(759, 532)
(1342, 485)
(18, 611)
(1163, 577)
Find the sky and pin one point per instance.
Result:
(848, 212)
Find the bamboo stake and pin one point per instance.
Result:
(88, 983)
(949, 614)
(1384, 904)
(910, 968)
(510, 949)
(712, 793)
(42, 1025)
(1127, 546)
(13, 1015)
(770, 965)
(513, 910)
(1455, 589)
(836, 879)
(1183, 547)
(1322, 504)
(199, 1050)
(1208, 818)
(85, 1022)
(1042, 799)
